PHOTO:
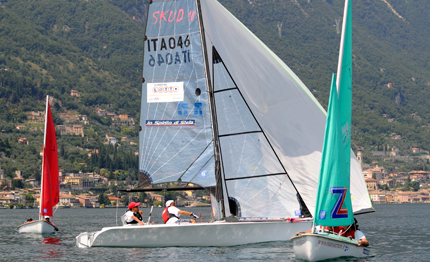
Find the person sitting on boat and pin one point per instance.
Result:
(318, 229)
(171, 214)
(354, 232)
(49, 221)
(29, 220)
(134, 215)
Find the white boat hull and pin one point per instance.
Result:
(38, 226)
(192, 235)
(315, 247)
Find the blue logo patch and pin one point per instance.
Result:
(346, 248)
(198, 109)
(297, 213)
(322, 214)
(183, 109)
(45, 211)
(203, 173)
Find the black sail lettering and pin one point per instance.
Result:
(163, 44)
(154, 42)
(172, 43)
(169, 59)
(177, 58)
(185, 56)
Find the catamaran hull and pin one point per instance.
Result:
(315, 247)
(192, 235)
(38, 227)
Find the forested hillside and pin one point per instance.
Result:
(390, 45)
(52, 47)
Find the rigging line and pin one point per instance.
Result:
(250, 177)
(202, 129)
(163, 179)
(143, 63)
(237, 110)
(164, 133)
(246, 186)
(195, 161)
(242, 133)
(167, 145)
(270, 144)
(176, 152)
(153, 74)
(271, 197)
(227, 89)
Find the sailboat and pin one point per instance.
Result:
(220, 110)
(50, 190)
(334, 207)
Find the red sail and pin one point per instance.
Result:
(50, 181)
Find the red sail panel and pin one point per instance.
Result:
(50, 186)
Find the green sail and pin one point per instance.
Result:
(344, 84)
(333, 207)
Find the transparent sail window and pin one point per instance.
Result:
(276, 199)
(248, 155)
(232, 114)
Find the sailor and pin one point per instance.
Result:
(29, 220)
(171, 214)
(134, 215)
(352, 231)
(49, 221)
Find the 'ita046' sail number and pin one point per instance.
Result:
(169, 44)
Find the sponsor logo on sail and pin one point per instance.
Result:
(165, 92)
(322, 214)
(187, 122)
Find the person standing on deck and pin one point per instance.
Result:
(171, 214)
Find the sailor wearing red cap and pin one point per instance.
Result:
(134, 215)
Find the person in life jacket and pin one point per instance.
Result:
(49, 221)
(134, 215)
(352, 232)
(171, 214)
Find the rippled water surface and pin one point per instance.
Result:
(395, 232)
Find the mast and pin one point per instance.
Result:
(44, 142)
(342, 46)
(219, 194)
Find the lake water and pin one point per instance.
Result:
(395, 232)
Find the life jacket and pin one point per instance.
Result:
(138, 216)
(166, 215)
(350, 233)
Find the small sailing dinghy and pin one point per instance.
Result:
(334, 207)
(50, 190)
(220, 110)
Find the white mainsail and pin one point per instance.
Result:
(268, 124)
(286, 110)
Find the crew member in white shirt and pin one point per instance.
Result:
(134, 215)
(175, 213)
